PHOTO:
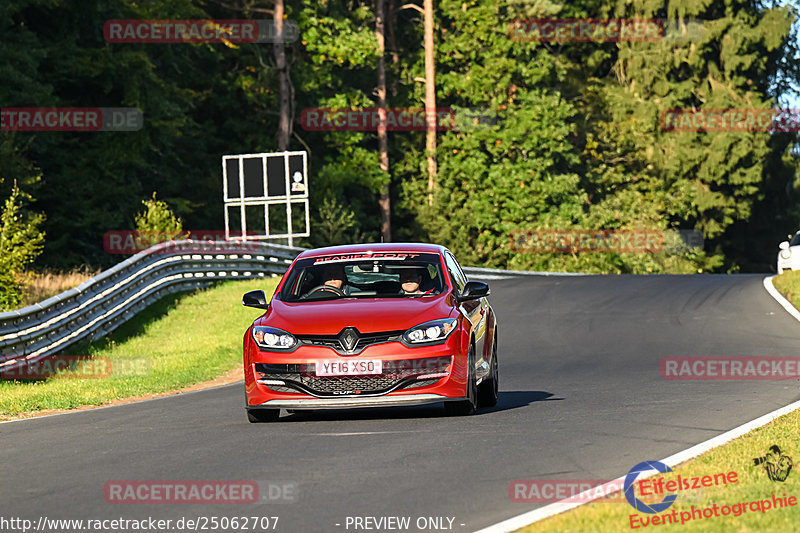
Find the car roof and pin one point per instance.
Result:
(374, 247)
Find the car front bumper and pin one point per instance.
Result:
(351, 403)
(786, 264)
(265, 389)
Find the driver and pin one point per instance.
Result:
(410, 279)
(335, 277)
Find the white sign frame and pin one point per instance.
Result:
(266, 200)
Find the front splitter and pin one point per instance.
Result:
(345, 403)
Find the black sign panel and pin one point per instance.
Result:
(276, 176)
(232, 171)
(253, 177)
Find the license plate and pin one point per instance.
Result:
(349, 368)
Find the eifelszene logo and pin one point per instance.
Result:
(630, 479)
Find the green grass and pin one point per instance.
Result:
(788, 284)
(753, 483)
(179, 341)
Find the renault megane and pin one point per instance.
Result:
(371, 325)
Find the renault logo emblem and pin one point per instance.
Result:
(348, 338)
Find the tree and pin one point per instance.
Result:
(337, 69)
(21, 242)
(333, 223)
(573, 140)
(430, 98)
(286, 98)
(638, 173)
(383, 141)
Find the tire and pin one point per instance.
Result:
(262, 415)
(466, 407)
(487, 391)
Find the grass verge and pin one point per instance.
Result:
(788, 284)
(179, 341)
(752, 485)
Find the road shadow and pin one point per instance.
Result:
(506, 400)
(521, 398)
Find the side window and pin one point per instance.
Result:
(459, 279)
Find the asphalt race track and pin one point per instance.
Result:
(581, 397)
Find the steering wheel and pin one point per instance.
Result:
(325, 288)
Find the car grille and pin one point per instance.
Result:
(396, 375)
(284, 388)
(422, 383)
(333, 386)
(350, 384)
(364, 340)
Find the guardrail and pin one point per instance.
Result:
(496, 273)
(104, 302)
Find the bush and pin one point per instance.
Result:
(20, 243)
(333, 224)
(158, 221)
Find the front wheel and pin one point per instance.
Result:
(262, 415)
(466, 407)
(487, 392)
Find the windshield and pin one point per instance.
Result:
(795, 240)
(364, 275)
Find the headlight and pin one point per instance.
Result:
(786, 254)
(273, 338)
(431, 332)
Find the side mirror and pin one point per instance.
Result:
(473, 290)
(255, 299)
(784, 245)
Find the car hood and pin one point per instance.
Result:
(371, 315)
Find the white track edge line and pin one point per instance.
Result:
(526, 519)
(786, 304)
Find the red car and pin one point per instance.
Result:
(371, 325)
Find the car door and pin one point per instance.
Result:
(474, 310)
